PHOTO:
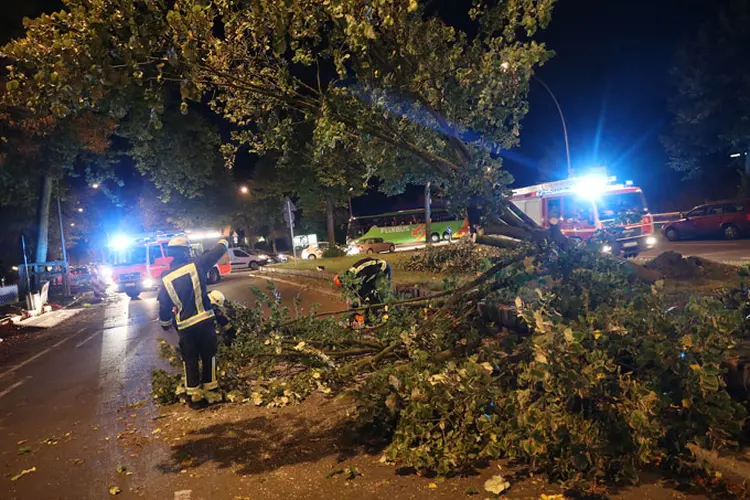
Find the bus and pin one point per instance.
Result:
(407, 227)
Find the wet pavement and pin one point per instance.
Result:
(75, 409)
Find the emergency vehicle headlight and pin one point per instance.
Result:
(651, 241)
(106, 272)
(591, 187)
(606, 249)
(119, 242)
(148, 282)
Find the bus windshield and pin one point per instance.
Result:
(614, 205)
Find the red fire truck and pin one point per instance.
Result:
(136, 262)
(583, 205)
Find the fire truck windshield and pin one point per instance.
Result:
(611, 206)
(129, 256)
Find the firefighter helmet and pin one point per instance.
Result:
(179, 241)
(216, 297)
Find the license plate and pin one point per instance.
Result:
(630, 244)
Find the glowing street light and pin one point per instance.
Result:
(735, 155)
(244, 189)
(72, 224)
(80, 210)
(95, 185)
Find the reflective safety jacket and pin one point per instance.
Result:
(366, 273)
(183, 298)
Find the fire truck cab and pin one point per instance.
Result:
(583, 205)
(136, 263)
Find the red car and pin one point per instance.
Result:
(729, 219)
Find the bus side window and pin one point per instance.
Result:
(554, 208)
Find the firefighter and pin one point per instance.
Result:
(368, 282)
(184, 303)
(225, 327)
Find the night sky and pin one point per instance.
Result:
(610, 75)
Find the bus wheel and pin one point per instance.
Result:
(213, 276)
(446, 236)
(434, 237)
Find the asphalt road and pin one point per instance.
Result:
(719, 250)
(75, 404)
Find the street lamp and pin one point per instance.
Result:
(80, 210)
(72, 224)
(244, 189)
(562, 119)
(95, 185)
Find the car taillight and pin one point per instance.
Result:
(747, 217)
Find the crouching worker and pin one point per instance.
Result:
(366, 283)
(184, 303)
(224, 327)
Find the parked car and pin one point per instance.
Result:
(247, 259)
(375, 245)
(729, 219)
(314, 252)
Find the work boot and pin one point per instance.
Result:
(198, 405)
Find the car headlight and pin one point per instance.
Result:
(651, 241)
(148, 282)
(606, 249)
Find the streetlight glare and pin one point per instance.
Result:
(244, 190)
(72, 224)
(80, 210)
(95, 185)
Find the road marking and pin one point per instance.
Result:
(39, 354)
(273, 278)
(14, 386)
(79, 344)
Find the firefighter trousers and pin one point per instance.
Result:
(198, 349)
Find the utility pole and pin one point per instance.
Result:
(66, 285)
(43, 220)
(289, 208)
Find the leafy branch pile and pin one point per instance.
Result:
(463, 256)
(601, 377)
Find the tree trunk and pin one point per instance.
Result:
(43, 219)
(331, 227)
(427, 214)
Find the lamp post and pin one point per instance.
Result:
(562, 119)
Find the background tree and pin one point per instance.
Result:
(710, 106)
(390, 80)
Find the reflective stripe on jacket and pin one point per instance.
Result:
(183, 296)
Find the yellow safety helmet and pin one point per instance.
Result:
(216, 297)
(179, 241)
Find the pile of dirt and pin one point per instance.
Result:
(673, 265)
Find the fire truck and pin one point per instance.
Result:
(136, 262)
(583, 205)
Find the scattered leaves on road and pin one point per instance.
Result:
(496, 484)
(50, 440)
(115, 490)
(432, 486)
(121, 469)
(22, 450)
(23, 473)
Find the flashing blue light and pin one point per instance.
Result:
(591, 186)
(119, 242)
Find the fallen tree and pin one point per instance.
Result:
(600, 377)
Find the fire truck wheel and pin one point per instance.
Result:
(213, 276)
(134, 294)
